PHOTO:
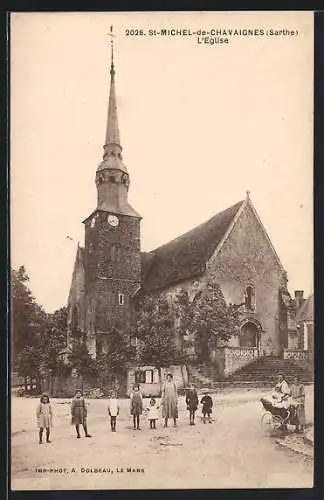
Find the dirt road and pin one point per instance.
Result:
(232, 452)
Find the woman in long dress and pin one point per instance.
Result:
(169, 400)
(298, 396)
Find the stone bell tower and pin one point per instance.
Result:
(112, 265)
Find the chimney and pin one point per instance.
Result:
(299, 298)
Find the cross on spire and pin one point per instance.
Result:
(112, 36)
(112, 142)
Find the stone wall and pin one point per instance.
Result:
(245, 258)
(112, 252)
(66, 386)
(112, 275)
(76, 304)
(231, 359)
(296, 354)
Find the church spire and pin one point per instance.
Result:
(112, 142)
(112, 178)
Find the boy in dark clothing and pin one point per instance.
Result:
(192, 403)
(207, 403)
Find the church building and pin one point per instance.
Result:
(231, 249)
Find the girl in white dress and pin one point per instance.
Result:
(153, 414)
(113, 410)
(44, 416)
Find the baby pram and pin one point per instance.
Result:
(276, 417)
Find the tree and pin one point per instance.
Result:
(211, 319)
(155, 330)
(54, 340)
(82, 362)
(29, 364)
(112, 362)
(28, 322)
(37, 337)
(183, 318)
(28, 319)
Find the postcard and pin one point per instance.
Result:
(162, 258)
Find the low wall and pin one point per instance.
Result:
(231, 359)
(151, 382)
(66, 386)
(297, 354)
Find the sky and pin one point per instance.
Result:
(199, 123)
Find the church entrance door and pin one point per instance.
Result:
(249, 335)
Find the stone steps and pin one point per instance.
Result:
(269, 368)
(261, 372)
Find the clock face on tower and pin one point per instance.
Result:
(113, 220)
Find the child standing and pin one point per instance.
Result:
(192, 403)
(113, 410)
(44, 417)
(136, 405)
(207, 403)
(153, 413)
(79, 413)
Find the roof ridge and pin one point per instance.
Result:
(239, 203)
(186, 255)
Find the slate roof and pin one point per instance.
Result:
(186, 256)
(147, 259)
(306, 311)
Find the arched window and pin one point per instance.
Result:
(248, 335)
(249, 298)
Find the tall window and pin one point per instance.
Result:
(140, 377)
(144, 377)
(249, 298)
(149, 376)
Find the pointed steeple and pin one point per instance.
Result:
(112, 178)
(112, 142)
